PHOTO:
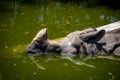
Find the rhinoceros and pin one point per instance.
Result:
(89, 42)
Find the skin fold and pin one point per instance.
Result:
(88, 42)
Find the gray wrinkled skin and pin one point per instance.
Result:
(88, 42)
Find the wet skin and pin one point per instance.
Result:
(88, 42)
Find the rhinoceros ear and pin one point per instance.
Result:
(41, 35)
(92, 36)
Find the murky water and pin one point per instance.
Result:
(19, 22)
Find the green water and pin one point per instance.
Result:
(20, 21)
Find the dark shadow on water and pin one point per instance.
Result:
(10, 4)
(84, 3)
(111, 3)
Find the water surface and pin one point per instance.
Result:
(19, 22)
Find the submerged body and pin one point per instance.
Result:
(88, 42)
(92, 42)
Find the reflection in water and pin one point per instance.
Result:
(36, 63)
(78, 62)
(60, 19)
(87, 16)
(109, 57)
(58, 5)
(53, 58)
(81, 61)
(102, 17)
(110, 19)
(41, 18)
(20, 49)
(15, 11)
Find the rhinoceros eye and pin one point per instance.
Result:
(58, 49)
